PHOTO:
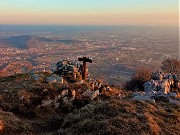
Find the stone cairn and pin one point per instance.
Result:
(72, 70)
(68, 73)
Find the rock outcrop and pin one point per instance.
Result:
(54, 79)
(157, 96)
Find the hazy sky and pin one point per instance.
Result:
(90, 12)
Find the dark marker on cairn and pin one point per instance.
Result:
(84, 59)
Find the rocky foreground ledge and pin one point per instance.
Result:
(37, 104)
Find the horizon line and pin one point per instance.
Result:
(108, 25)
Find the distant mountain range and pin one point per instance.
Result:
(22, 41)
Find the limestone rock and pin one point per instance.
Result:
(137, 94)
(176, 102)
(64, 93)
(36, 77)
(94, 94)
(47, 102)
(87, 93)
(73, 94)
(56, 105)
(147, 87)
(6, 90)
(91, 94)
(161, 97)
(54, 79)
(57, 98)
(144, 98)
(172, 95)
(65, 100)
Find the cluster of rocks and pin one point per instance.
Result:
(158, 96)
(96, 89)
(160, 87)
(67, 96)
(65, 70)
(53, 78)
(162, 82)
(74, 70)
(71, 69)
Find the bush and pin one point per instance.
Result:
(141, 76)
(171, 65)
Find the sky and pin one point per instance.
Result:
(90, 12)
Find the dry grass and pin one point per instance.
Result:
(11, 124)
(1, 126)
(107, 114)
(121, 117)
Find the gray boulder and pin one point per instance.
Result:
(36, 77)
(54, 79)
(172, 95)
(144, 98)
(46, 102)
(94, 94)
(161, 97)
(137, 94)
(91, 93)
(64, 93)
(176, 102)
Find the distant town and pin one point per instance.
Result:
(115, 52)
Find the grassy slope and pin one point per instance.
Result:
(105, 115)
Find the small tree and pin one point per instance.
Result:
(171, 65)
(141, 76)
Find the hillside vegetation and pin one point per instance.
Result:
(112, 112)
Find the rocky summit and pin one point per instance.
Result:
(62, 103)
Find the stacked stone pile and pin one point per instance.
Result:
(89, 90)
(72, 69)
(65, 69)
